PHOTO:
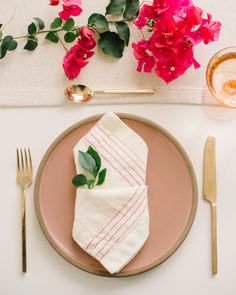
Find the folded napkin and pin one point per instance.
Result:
(111, 221)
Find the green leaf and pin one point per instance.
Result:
(9, 43)
(31, 44)
(101, 176)
(69, 37)
(131, 9)
(1, 26)
(123, 31)
(56, 23)
(3, 52)
(40, 23)
(79, 180)
(1, 35)
(116, 7)
(7, 39)
(88, 163)
(32, 29)
(111, 44)
(99, 21)
(51, 36)
(69, 24)
(95, 156)
(90, 183)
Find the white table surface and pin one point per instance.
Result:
(188, 271)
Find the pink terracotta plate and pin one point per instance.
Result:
(172, 196)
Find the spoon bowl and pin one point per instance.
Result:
(78, 93)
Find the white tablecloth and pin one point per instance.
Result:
(37, 78)
(188, 271)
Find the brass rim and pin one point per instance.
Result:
(178, 242)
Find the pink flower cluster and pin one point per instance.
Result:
(77, 57)
(70, 8)
(176, 26)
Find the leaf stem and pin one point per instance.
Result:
(94, 28)
(62, 43)
(142, 34)
(38, 33)
(122, 20)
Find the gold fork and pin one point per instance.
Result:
(24, 179)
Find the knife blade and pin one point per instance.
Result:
(209, 193)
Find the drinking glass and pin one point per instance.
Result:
(221, 76)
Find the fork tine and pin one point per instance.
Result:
(18, 159)
(26, 160)
(30, 161)
(22, 160)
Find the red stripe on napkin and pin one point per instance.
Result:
(118, 222)
(94, 145)
(108, 141)
(126, 221)
(113, 136)
(113, 218)
(129, 227)
(115, 159)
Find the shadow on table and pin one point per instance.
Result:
(214, 109)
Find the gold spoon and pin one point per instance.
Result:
(82, 93)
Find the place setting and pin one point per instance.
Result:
(116, 194)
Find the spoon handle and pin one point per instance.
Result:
(134, 91)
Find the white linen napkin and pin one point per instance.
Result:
(111, 221)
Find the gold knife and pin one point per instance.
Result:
(209, 193)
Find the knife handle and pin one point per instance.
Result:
(214, 239)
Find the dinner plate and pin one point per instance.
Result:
(172, 196)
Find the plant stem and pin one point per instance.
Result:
(62, 43)
(122, 20)
(38, 33)
(92, 27)
(142, 35)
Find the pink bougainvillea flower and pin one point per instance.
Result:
(208, 31)
(69, 11)
(54, 2)
(147, 13)
(70, 8)
(176, 27)
(77, 57)
(74, 61)
(86, 39)
(193, 15)
(145, 60)
(163, 6)
(176, 62)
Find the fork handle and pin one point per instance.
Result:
(23, 230)
(214, 239)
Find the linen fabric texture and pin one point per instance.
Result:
(111, 221)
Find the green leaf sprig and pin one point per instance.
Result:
(91, 162)
(113, 43)
(35, 28)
